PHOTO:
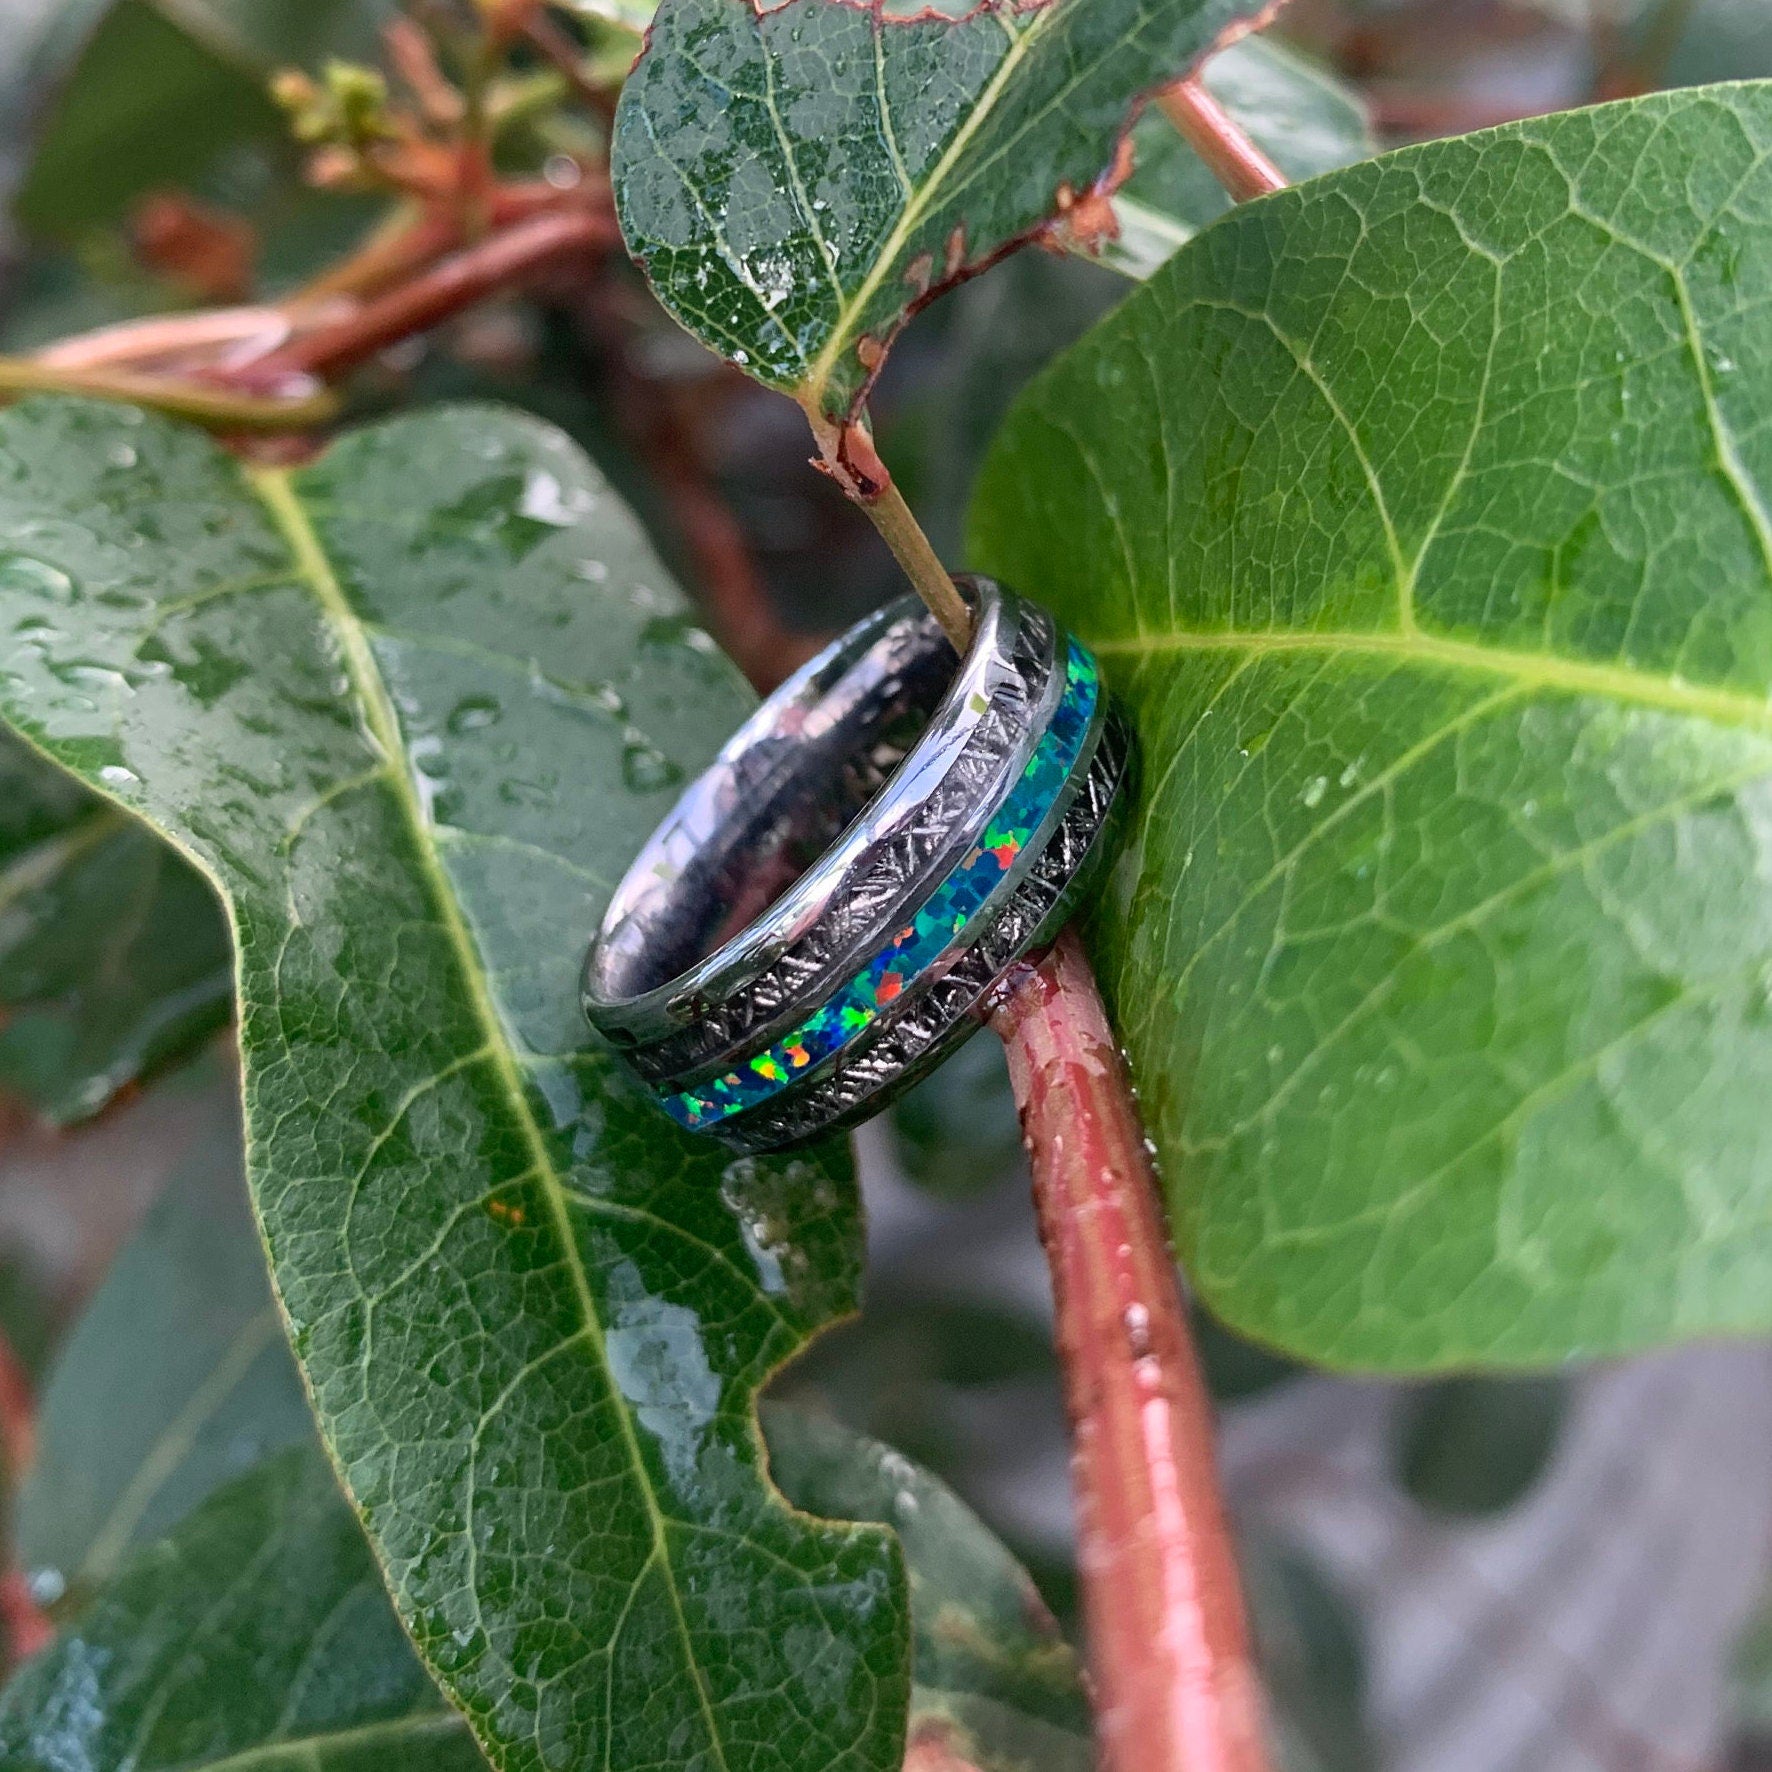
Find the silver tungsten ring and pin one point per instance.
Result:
(816, 924)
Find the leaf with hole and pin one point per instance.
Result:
(798, 180)
(1421, 515)
(414, 707)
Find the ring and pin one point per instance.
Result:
(821, 919)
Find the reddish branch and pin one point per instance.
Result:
(1175, 1685)
(1236, 162)
(500, 263)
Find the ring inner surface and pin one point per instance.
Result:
(761, 823)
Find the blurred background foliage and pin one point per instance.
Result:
(1389, 1532)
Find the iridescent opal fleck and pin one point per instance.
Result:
(930, 933)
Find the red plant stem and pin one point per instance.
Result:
(1174, 1680)
(499, 263)
(1235, 161)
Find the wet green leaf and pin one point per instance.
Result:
(1421, 517)
(992, 1668)
(1479, 1445)
(415, 707)
(113, 955)
(175, 1381)
(798, 180)
(258, 1634)
(1302, 117)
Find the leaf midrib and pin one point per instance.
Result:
(1620, 683)
(276, 490)
(911, 216)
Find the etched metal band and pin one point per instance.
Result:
(929, 827)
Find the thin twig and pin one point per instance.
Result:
(903, 534)
(217, 407)
(165, 338)
(496, 265)
(1174, 1681)
(1210, 130)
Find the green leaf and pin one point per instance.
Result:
(797, 181)
(1301, 116)
(113, 957)
(175, 1381)
(108, 140)
(992, 1669)
(1421, 517)
(414, 708)
(258, 1635)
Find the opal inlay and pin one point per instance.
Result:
(930, 933)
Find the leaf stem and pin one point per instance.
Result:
(1174, 1682)
(1210, 130)
(903, 534)
(220, 408)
